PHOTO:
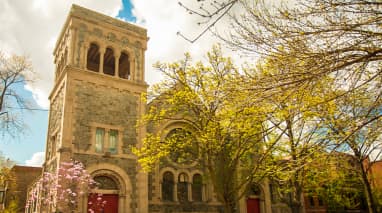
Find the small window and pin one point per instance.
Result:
(113, 141)
(109, 62)
(197, 187)
(320, 201)
(106, 140)
(168, 187)
(100, 137)
(53, 147)
(182, 188)
(124, 66)
(93, 58)
(311, 201)
(105, 182)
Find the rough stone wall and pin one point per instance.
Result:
(109, 106)
(95, 103)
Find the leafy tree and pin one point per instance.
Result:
(354, 128)
(339, 39)
(8, 180)
(224, 122)
(295, 130)
(14, 70)
(60, 191)
(334, 179)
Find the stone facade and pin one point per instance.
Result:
(95, 103)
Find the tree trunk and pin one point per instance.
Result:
(368, 192)
(230, 206)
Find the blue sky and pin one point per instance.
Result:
(32, 29)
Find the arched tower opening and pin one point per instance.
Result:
(93, 58)
(124, 66)
(109, 62)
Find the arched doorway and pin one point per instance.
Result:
(105, 200)
(253, 199)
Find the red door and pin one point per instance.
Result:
(253, 205)
(106, 203)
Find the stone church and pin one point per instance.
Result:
(95, 104)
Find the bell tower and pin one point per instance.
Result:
(96, 102)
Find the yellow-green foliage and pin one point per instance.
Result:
(225, 121)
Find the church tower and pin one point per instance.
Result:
(95, 104)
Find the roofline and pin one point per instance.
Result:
(78, 11)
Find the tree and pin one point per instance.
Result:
(60, 191)
(294, 128)
(338, 38)
(8, 181)
(225, 125)
(334, 180)
(14, 70)
(355, 127)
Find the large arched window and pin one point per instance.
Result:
(168, 187)
(183, 145)
(93, 55)
(197, 188)
(109, 62)
(124, 66)
(182, 188)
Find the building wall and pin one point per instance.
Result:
(376, 175)
(24, 176)
(86, 101)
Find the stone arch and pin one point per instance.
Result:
(255, 198)
(167, 127)
(120, 177)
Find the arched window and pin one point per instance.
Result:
(168, 187)
(124, 66)
(184, 150)
(93, 58)
(109, 62)
(182, 188)
(197, 188)
(105, 182)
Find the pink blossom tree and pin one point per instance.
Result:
(60, 191)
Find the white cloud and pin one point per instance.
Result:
(31, 28)
(36, 160)
(162, 25)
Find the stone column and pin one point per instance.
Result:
(101, 55)
(204, 193)
(85, 55)
(122, 203)
(132, 67)
(175, 193)
(117, 55)
(72, 46)
(189, 191)
(160, 191)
